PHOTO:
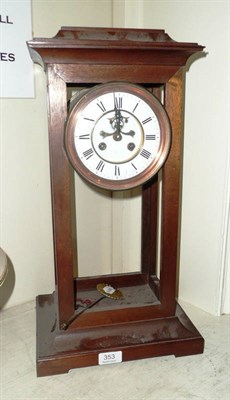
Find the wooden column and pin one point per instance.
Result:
(171, 194)
(61, 196)
(150, 218)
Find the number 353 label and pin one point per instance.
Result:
(110, 357)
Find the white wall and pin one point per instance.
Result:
(206, 143)
(26, 232)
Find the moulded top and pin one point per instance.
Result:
(115, 37)
(111, 46)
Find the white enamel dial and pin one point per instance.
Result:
(115, 136)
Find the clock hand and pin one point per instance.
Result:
(116, 135)
(130, 133)
(105, 134)
(117, 123)
(118, 120)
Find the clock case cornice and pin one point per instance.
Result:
(98, 46)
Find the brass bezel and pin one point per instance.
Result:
(83, 100)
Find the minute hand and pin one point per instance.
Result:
(120, 123)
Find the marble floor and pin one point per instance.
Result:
(204, 377)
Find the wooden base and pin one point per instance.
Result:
(58, 351)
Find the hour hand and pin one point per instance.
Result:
(130, 133)
(105, 134)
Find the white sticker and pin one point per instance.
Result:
(110, 358)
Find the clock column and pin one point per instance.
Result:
(61, 190)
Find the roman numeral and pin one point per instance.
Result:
(100, 166)
(118, 102)
(147, 120)
(134, 166)
(150, 137)
(86, 136)
(117, 170)
(135, 107)
(88, 153)
(101, 106)
(145, 153)
(89, 119)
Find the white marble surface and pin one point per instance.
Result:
(204, 377)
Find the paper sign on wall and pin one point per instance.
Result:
(16, 67)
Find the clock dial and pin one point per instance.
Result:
(117, 135)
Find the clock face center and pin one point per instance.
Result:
(115, 129)
(117, 137)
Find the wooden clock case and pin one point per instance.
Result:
(148, 321)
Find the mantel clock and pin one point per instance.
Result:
(120, 129)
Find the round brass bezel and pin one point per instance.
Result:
(83, 100)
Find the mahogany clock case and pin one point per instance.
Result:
(147, 321)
